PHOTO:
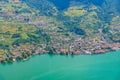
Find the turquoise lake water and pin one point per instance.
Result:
(81, 67)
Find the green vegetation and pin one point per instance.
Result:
(75, 12)
(30, 28)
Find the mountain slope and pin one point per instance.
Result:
(49, 10)
(30, 27)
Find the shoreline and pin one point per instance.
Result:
(4, 62)
(26, 31)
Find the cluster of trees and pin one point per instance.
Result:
(4, 46)
(45, 7)
(35, 37)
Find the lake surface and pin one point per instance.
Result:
(81, 67)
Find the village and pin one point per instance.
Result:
(60, 41)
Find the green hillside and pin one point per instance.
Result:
(30, 27)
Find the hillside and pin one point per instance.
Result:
(30, 27)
